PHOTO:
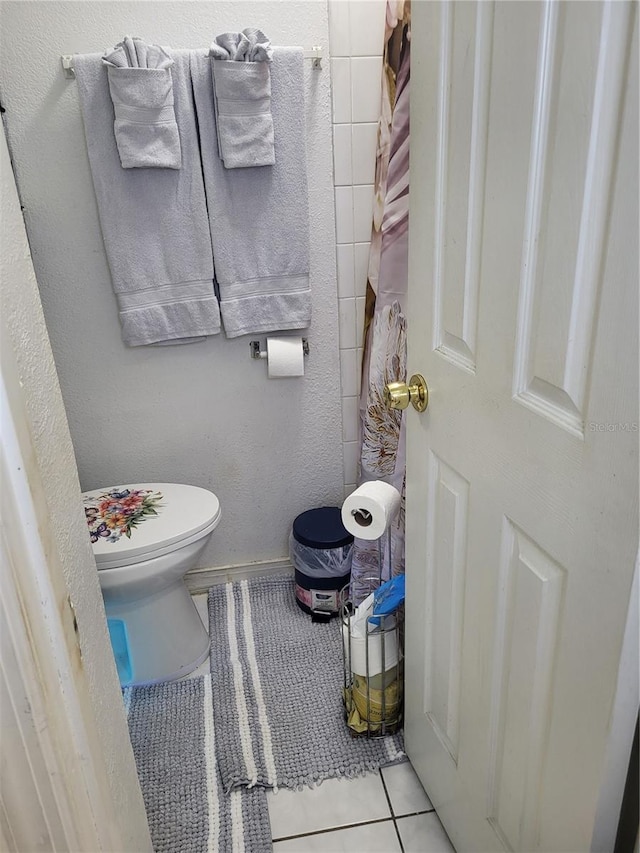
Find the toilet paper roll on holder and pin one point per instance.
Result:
(256, 352)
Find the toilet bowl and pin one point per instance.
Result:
(145, 538)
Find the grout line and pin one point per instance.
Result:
(334, 829)
(413, 814)
(386, 792)
(395, 825)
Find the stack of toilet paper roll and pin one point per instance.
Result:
(368, 512)
(368, 662)
(374, 669)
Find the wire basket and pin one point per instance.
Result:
(373, 689)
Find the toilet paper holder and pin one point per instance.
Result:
(256, 352)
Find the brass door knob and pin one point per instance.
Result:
(398, 395)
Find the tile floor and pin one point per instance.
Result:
(385, 812)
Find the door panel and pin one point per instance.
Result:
(463, 79)
(528, 626)
(522, 497)
(448, 504)
(569, 187)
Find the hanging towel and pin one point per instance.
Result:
(242, 98)
(259, 218)
(154, 221)
(251, 45)
(141, 87)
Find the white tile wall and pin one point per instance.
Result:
(363, 152)
(359, 356)
(347, 323)
(350, 487)
(341, 89)
(342, 157)
(366, 27)
(360, 302)
(349, 418)
(349, 372)
(365, 88)
(351, 451)
(339, 27)
(356, 36)
(346, 265)
(360, 267)
(344, 214)
(362, 212)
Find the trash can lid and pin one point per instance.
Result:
(321, 528)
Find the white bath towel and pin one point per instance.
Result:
(141, 87)
(154, 221)
(259, 217)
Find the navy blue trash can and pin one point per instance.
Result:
(320, 551)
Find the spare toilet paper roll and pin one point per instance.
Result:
(368, 511)
(285, 357)
(369, 650)
(382, 648)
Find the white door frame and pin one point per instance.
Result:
(53, 781)
(58, 685)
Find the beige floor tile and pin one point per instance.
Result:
(370, 838)
(405, 790)
(423, 833)
(334, 803)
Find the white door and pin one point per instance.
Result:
(522, 475)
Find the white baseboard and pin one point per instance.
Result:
(199, 580)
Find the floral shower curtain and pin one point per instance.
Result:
(382, 433)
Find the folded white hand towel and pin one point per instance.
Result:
(141, 88)
(251, 45)
(242, 98)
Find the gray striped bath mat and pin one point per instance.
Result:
(277, 682)
(174, 742)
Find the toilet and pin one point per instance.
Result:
(145, 538)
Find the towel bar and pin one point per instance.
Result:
(314, 54)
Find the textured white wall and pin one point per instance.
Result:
(22, 317)
(203, 414)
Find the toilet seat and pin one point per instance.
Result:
(136, 522)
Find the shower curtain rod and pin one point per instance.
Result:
(314, 54)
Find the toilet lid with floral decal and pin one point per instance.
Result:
(136, 520)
